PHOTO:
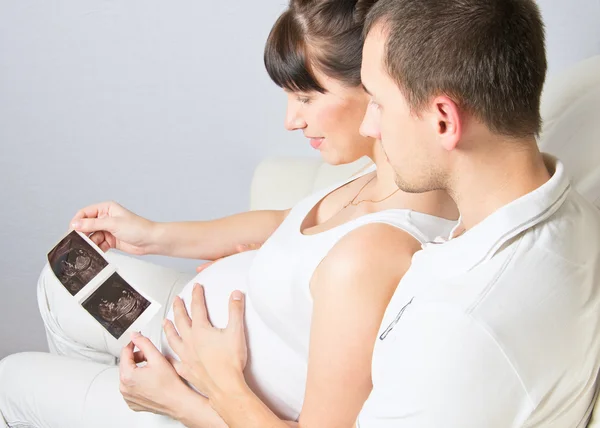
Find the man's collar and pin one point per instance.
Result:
(463, 251)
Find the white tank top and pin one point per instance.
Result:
(276, 279)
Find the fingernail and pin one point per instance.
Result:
(236, 295)
(75, 224)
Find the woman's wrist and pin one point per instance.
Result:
(194, 411)
(158, 236)
(239, 407)
(230, 385)
(234, 399)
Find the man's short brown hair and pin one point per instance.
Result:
(487, 55)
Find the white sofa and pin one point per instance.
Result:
(571, 131)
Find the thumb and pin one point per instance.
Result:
(146, 346)
(89, 225)
(127, 357)
(236, 311)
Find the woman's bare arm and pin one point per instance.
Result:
(111, 225)
(210, 240)
(351, 289)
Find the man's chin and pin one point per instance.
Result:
(411, 187)
(405, 186)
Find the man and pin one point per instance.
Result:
(496, 326)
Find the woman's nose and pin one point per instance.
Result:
(293, 120)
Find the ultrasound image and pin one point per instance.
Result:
(75, 262)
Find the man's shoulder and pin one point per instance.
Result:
(541, 281)
(567, 242)
(523, 322)
(576, 214)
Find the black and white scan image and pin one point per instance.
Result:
(75, 262)
(116, 305)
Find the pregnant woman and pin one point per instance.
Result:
(316, 289)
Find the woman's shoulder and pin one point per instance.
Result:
(373, 249)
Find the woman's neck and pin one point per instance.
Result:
(385, 180)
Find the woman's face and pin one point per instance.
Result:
(331, 120)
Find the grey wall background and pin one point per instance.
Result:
(162, 106)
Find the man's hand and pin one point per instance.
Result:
(155, 387)
(239, 248)
(212, 359)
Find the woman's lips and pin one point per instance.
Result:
(315, 143)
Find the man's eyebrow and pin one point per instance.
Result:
(365, 88)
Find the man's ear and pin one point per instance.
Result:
(446, 118)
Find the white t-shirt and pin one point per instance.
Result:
(498, 327)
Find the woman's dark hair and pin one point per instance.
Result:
(317, 34)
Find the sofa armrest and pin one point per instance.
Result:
(279, 183)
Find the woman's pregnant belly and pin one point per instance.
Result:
(274, 372)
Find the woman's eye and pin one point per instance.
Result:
(304, 100)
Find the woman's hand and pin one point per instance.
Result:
(212, 359)
(112, 226)
(239, 249)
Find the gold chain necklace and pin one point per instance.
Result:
(353, 203)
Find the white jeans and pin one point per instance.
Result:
(77, 384)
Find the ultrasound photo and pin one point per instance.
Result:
(116, 305)
(75, 262)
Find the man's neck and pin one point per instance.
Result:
(493, 174)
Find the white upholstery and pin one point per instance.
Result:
(281, 182)
(571, 131)
(571, 113)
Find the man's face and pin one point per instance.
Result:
(408, 140)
